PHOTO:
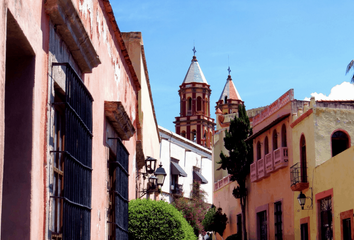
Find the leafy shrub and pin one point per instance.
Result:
(157, 220)
(194, 208)
(215, 221)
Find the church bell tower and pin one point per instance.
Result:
(194, 122)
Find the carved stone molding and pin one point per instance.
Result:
(68, 25)
(116, 114)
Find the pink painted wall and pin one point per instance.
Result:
(30, 18)
(113, 80)
(263, 193)
(275, 187)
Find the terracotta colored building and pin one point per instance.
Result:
(194, 122)
(71, 130)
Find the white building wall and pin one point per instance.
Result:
(189, 155)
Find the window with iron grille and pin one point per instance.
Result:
(262, 225)
(58, 169)
(111, 198)
(278, 224)
(326, 221)
(72, 160)
(118, 193)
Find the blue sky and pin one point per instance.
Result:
(271, 46)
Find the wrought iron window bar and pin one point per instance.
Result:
(120, 190)
(298, 174)
(77, 157)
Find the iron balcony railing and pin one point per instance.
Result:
(298, 174)
(178, 189)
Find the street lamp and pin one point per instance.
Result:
(160, 174)
(156, 178)
(150, 165)
(152, 183)
(302, 199)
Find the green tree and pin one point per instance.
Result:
(215, 221)
(157, 220)
(237, 163)
(194, 208)
(349, 67)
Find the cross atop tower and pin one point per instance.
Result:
(194, 51)
(229, 70)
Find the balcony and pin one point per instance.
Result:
(253, 171)
(298, 177)
(261, 169)
(177, 189)
(281, 158)
(269, 164)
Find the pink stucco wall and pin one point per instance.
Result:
(113, 80)
(264, 193)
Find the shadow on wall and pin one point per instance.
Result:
(19, 84)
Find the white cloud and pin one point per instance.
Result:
(344, 91)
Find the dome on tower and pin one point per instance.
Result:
(194, 74)
(230, 91)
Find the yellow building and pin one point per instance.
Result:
(322, 170)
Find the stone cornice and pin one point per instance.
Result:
(68, 25)
(116, 114)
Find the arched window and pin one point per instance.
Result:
(225, 101)
(283, 136)
(340, 142)
(259, 153)
(275, 140)
(194, 136)
(199, 104)
(189, 107)
(303, 163)
(183, 134)
(266, 146)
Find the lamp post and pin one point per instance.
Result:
(150, 165)
(302, 199)
(157, 177)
